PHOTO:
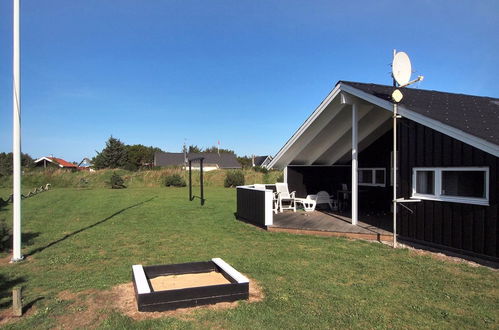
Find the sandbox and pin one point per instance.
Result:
(166, 287)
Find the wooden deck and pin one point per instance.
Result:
(333, 224)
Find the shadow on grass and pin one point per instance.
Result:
(40, 249)
(6, 286)
(28, 306)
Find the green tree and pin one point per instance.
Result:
(245, 161)
(194, 149)
(114, 155)
(215, 149)
(139, 155)
(6, 162)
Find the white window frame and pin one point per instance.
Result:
(373, 176)
(437, 177)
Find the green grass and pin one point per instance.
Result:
(88, 239)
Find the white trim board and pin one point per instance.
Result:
(140, 279)
(240, 278)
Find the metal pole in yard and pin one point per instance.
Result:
(16, 137)
(190, 181)
(201, 180)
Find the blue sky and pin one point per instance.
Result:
(247, 73)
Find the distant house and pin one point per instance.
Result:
(261, 161)
(212, 160)
(47, 162)
(86, 165)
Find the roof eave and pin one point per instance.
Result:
(453, 132)
(329, 98)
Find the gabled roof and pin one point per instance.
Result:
(262, 160)
(169, 158)
(324, 137)
(85, 162)
(476, 115)
(58, 161)
(222, 160)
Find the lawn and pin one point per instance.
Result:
(78, 240)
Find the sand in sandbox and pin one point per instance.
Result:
(182, 281)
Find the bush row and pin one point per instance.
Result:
(153, 178)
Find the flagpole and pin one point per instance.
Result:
(16, 135)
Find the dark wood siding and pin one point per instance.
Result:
(251, 206)
(469, 228)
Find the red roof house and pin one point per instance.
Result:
(53, 161)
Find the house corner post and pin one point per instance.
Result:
(355, 179)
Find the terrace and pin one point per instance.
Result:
(256, 206)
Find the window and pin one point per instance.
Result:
(372, 177)
(464, 183)
(425, 182)
(452, 184)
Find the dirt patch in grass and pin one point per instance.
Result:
(451, 257)
(7, 317)
(88, 308)
(5, 260)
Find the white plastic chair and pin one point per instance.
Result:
(283, 195)
(324, 198)
(275, 204)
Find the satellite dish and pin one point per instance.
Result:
(401, 68)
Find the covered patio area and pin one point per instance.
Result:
(325, 223)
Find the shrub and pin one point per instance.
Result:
(280, 178)
(5, 235)
(83, 183)
(260, 169)
(117, 181)
(174, 180)
(234, 179)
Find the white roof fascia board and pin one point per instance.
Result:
(306, 124)
(453, 132)
(47, 159)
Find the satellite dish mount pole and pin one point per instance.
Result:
(401, 73)
(394, 166)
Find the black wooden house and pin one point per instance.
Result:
(448, 149)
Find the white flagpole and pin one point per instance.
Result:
(16, 136)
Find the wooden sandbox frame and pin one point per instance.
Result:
(149, 300)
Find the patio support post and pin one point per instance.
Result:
(355, 179)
